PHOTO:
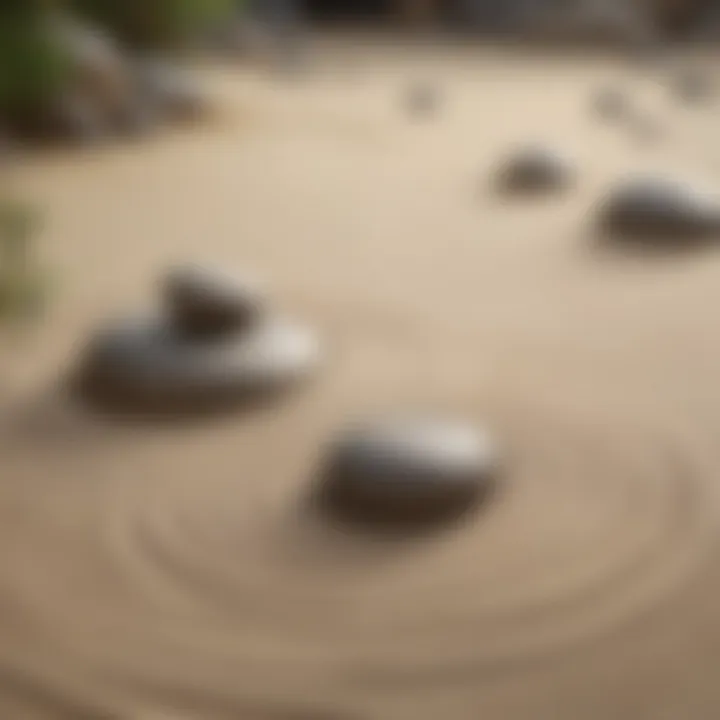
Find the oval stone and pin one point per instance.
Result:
(535, 169)
(693, 86)
(422, 98)
(659, 208)
(415, 470)
(610, 103)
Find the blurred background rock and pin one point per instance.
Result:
(88, 69)
(85, 69)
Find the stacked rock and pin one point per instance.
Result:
(205, 303)
(415, 471)
(216, 342)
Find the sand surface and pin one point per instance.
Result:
(155, 572)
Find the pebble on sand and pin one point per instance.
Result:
(535, 169)
(657, 208)
(407, 471)
(422, 98)
(610, 103)
(693, 86)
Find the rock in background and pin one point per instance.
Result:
(591, 22)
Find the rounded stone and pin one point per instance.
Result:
(422, 98)
(172, 91)
(693, 86)
(610, 103)
(659, 208)
(535, 169)
(203, 301)
(149, 364)
(406, 471)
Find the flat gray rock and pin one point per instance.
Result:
(415, 470)
(149, 364)
(535, 169)
(202, 301)
(659, 208)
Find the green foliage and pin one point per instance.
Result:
(23, 286)
(33, 64)
(153, 23)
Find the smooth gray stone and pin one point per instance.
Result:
(148, 364)
(205, 301)
(536, 169)
(610, 103)
(422, 99)
(410, 470)
(693, 86)
(659, 208)
(171, 90)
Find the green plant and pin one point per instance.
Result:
(23, 286)
(34, 66)
(152, 23)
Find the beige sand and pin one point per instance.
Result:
(151, 573)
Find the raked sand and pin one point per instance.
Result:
(154, 572)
